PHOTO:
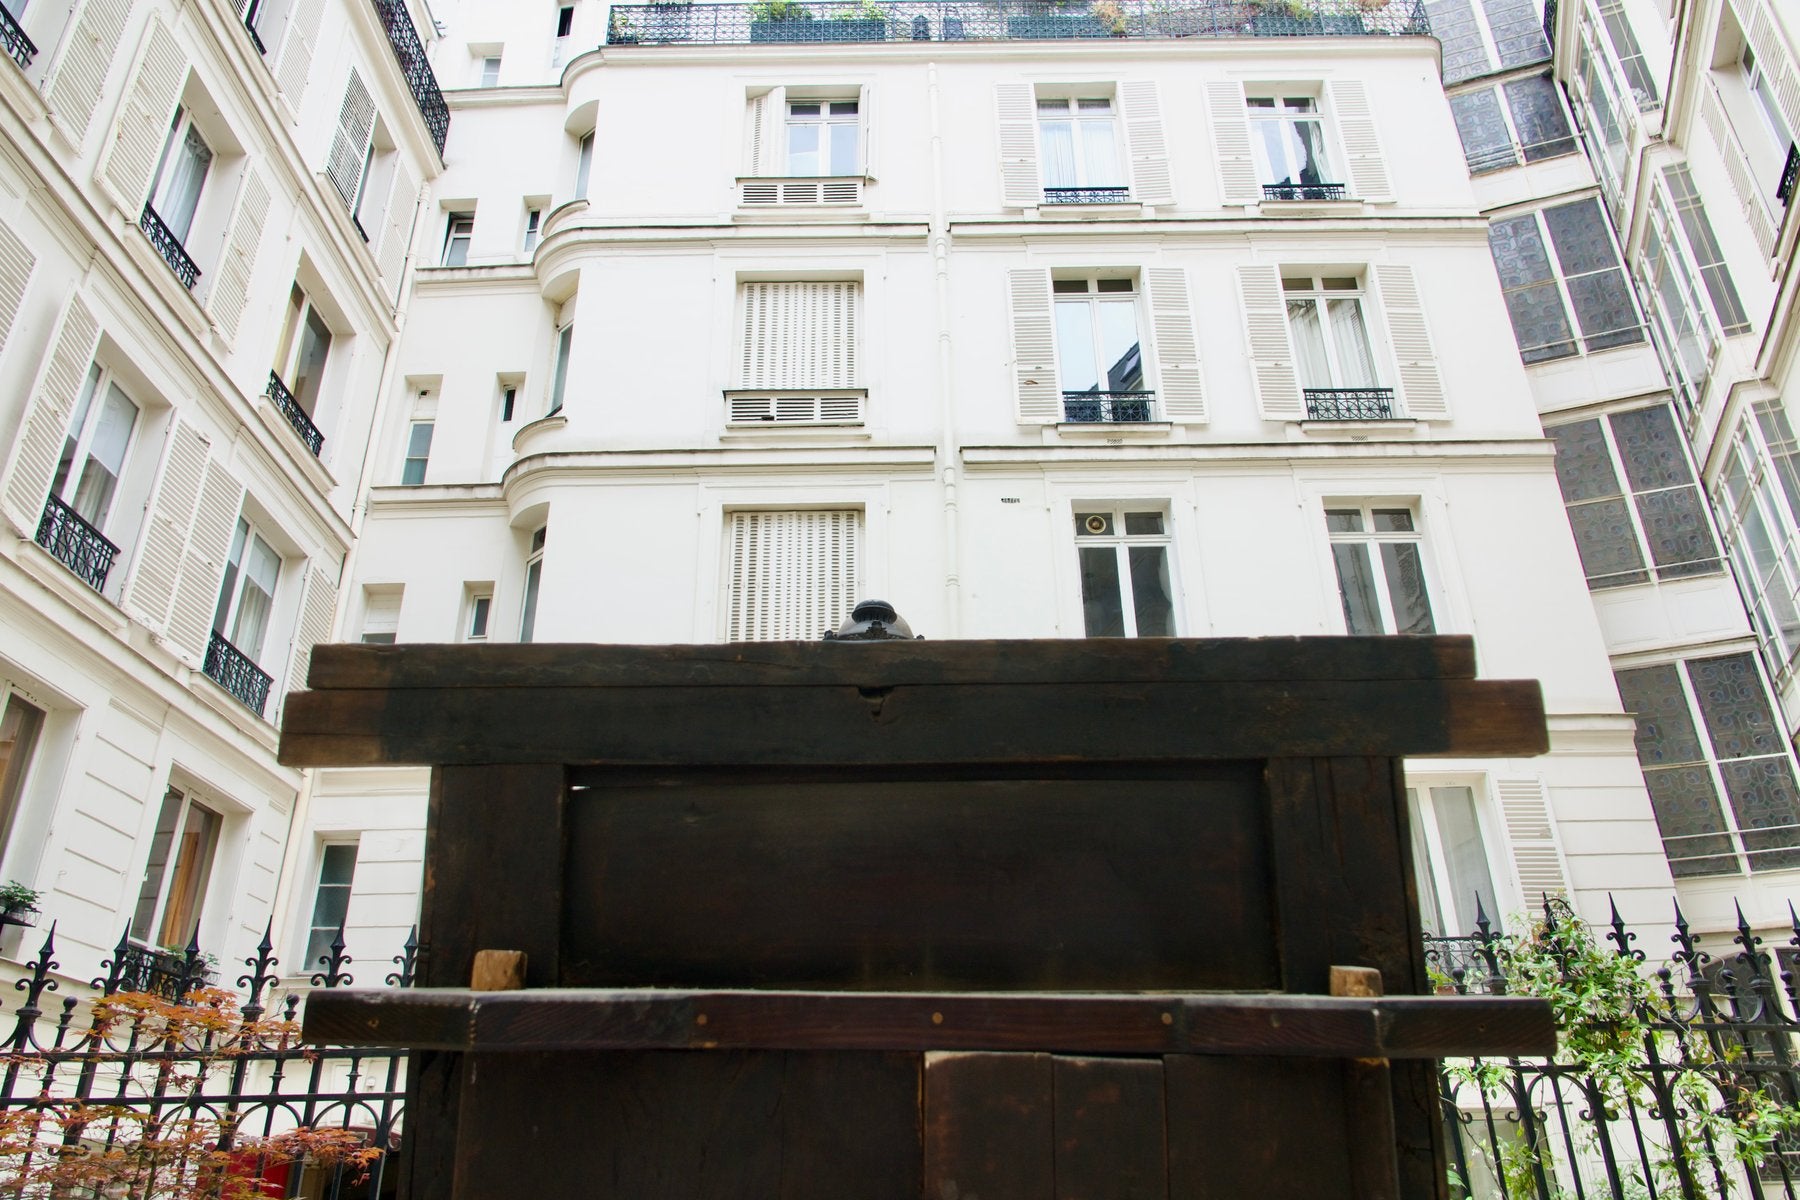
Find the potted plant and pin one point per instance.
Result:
(621, 30)
(18, 903)
(792, 21)
(1050, 24)
(1110, 16)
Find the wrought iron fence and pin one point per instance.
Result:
(410, 53)
(1107, 407)
(12, 37)
(76, 544)
(289, 407)
(1349, 404)
(1005, 20)
(232, 670)
(1790, 173)
(1087, 195)
(170, 247)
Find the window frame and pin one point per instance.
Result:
(1275, 112)
(228, 612)
(1118, 537)
(1320, 296)
(313, 962)
(1770, 482)
(1578, 336)
(26, 748)
(825, 121)
(562, 350)
(1661, 249)
(534, 579)
(288, 346)
(1518, 153)
(167, 871)
(182, 126)
(584, 165)
(1074, 98)
(459, 234)
(1428, 835)
(1372, 539)
(417, 459)
(477, 617)
(1096, 299)
(534, 224)
(99, 383)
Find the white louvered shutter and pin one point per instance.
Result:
(754, 134)
(1177, 350)
(152, 588)
(768, 133)
(129, 159)
(1034, 347)
(1016, 106)
(1421, 386)
(46, 423)
(1366, 170)
(1531, 833)
(350, 142)
(1150, 182)
(800, 335)
(317, 606)
(1271, 351)
(232, 287)
(865, 113)
(1777, 64)
(792, 574)
(74, 89)
(397, 225)
(1238, 183)
(203, 560)
(16, 262)
(1737, 169)
(293, 62)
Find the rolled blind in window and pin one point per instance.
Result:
(792, 574)
(800, 335)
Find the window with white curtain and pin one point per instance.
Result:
(247, 593)
(1287, 136)
(95, 448)
(1078, 141)
(181, 175)
(1375, 549)
(1330, 332)
(1450, 861)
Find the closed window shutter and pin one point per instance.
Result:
(1177, 352)
(232, 287)
(1271, 353)
(16, 262)
(293, 63)
(396, 233)
(203, 560)
(800, 335)
(1034, 347)
(79, 79)
(317, 606)
(350, 143)
(129, 159)
(152, 588)
(1532, 836)
(1421, 387)
(46, 421)
(1367, 170)
(793, 574)
(1238, 183)
(1016, 104)
(1150, 182)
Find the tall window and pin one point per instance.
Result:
(1450, 860)
(1658, 507)
(1124, 555)
(1757, 497)
(1287, 135)
(534, 574)
(490, 71)
(176, 873)
(1099, 350)
(1760, 86)
(1478, 35)
(1639, 80)
(21, 724)
(1380, 572)
(331, 900)
(381, 614)
(1079, 140)
(824, 137)
(1683, 334)
(459, 230)
(1697, 237)
(565, 25)
(1604, 124)
(181, 175)
(94, 452)
(533, 221)
(1522, 120)
(1330, 332)
(790, 575)
(418, 453)
(301, 353)
(584, 164)
(1584, 277)
(478, 607)
(247, 593)
(559, 373)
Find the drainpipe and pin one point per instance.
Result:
(947, 439)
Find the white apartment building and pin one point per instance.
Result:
(206, 213)
(722, 320)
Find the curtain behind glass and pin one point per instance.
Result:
(1100, 153)
(181, 190)
(1057, 141)
(1309, 344)
(105, 458)
(1350, 338)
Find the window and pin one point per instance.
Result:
(823, 137)
(565, 26)
(1697, 236)
(180, 176)
(21, 724)
(1477, 34)
(1585, 277)
(478, 606)
(331, 901)
(1520, 121)
(301, 353)
(267, 19)
(418, 453)
(1380, 574)
(360, 157)
(1604, 125)
(534, 574)
(790, 575)
(1745, 758)
(584, 164)
(176, 873)
(95, 449)
(1682, 333)
(1287, 136)
(1757, 498)
(458, 231)
(1331, 336)
(1450, 861)
(533, 222)
(509, 399)
(1078, 138)
(559, 374)
(1124, 555)
(490, 70)
(381, 615)
(1760, 86)
(1099, 350)
(1630, 58)
(247, 593)
(1659, 507)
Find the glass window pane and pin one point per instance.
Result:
(187, 883)
(1651, 448)
(228, 586)
(1406, 587)
(1100, 154)
(1665, 726)
(1056, 146)
(1143, 523)
(1465, 857)
(1579, 233)
(1152, 605)
(1465, 51)
(1431, 913)
(1102, 609)
(1308, 141)
(1681, 542)
(844, 158)
(1584, 468)
(1686, 804)
(1393, 520)
(1093, 524)
(1518, 30)
(1538, 112)
(1343, 520)
(1487, 142)
(1607, 543)
(1356, 588)
(1075, 346)
(1350, 338)
(1309, 344)
(1699, 233)
(20, 724)
(1120, 352)
(803, 149)
(1762, 795)
(1540, 323)
(528, 617)
(162, 841)
(309, 364)
(1734, 706)
(77, 424)
(1604, 309)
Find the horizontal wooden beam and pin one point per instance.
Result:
(597, 1019)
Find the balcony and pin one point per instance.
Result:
(821, 21)
(410, 53)
(1303, 191)
(167, 974)
(232, 670)
(296, 416)
(76, 544)
(1087, 195)
(170, 247)
(1108, 408)
(12, 36)
(1350, 404)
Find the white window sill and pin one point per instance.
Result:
(778, 432)
(1309, 208)
(1359, 430)
(1114, 430)
(1109, 208)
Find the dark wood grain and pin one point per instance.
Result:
(989, 1127)
(1256, 1127)
(1110, 1139)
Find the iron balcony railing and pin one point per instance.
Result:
(296, 416)
(255, 37)
(1087, 195)
(170, 974)
(170, 247)
(1790, 174)
(1105, 408)
(12, 36)
(1303, 191)
(411, 55)
(232, 670)
(76, 544)
(1350, 404)
(1007, 20)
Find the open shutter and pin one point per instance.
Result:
(768, 133)
(865, 113)
(203, 560)
(75, 88)
(792, 574)
(231, 288)
(350, 143)
(129, 160)
(1366, 170)
(1532, 836)
(755, 115)
(1034, 347)
(1177, 351)
(800, 335)
(16, 262)
(1150, 183)
(396, 234)
(1271, 353)
(1238, 183)
(1017, 108)
(152, 587)
(1421, 387)
(317, 605)
(1764, 35)
(46, 423)
(293, 63)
